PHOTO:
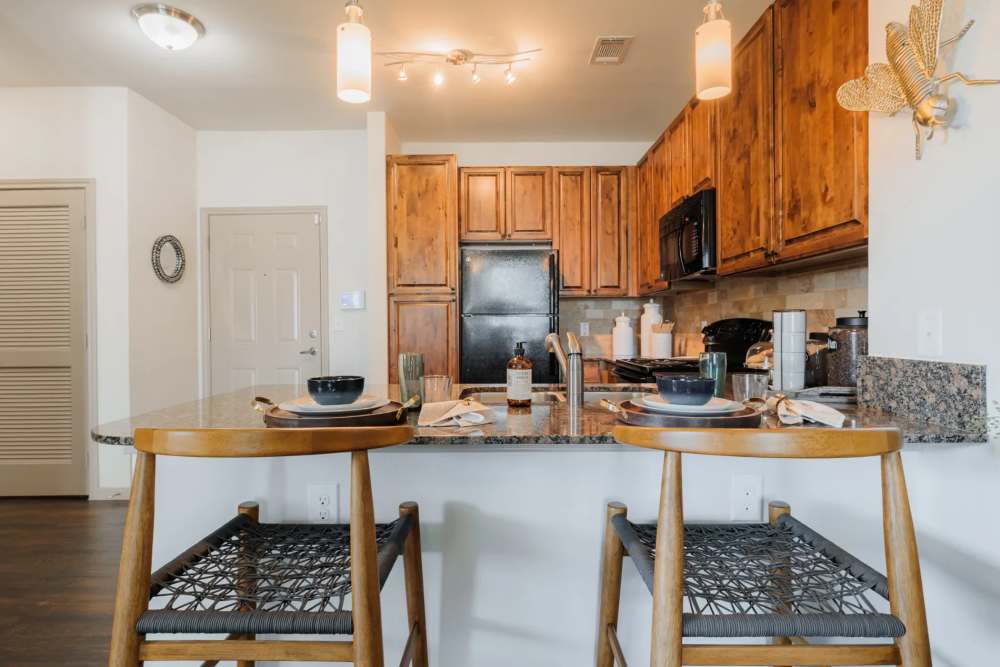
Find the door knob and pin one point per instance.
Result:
(311, 352)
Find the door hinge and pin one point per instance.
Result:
(395, 242)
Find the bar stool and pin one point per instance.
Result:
(779, 579)
(250, 578)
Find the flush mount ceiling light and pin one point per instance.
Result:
(458, 58)
(354, 56)
(168, 27)
(713, 52)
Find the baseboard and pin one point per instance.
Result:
(110, 493)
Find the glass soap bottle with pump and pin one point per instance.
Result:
(519, 379)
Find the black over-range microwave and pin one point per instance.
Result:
(687, 238)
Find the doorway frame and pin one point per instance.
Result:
(205, 273)
(91, 459)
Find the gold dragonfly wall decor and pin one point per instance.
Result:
(908, 79)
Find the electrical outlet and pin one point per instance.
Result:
(930, 333)
(584, 329)
(324, 503)
(746, 497)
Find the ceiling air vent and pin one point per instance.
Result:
(610, 50)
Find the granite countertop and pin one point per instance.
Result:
(542, 426)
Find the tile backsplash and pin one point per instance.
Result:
(825, 294)
(600, 315)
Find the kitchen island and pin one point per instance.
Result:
(512, 541)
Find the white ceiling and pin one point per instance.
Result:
(269, 64)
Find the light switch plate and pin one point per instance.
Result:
(930, 333)
(584, 329)
(352, 300)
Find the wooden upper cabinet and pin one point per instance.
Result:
(529, 203)
(822, 149)
(422, 199)
(745, 203)
(571, 210)
(702, 144)
(426, 324)
(609, 231)
(483, 204)
(680, 153)
(654, 184)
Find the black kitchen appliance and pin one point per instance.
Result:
(687, 238)
(509, 294)
(732, 336)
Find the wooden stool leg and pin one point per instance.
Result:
(366, 611)
(252, 510)
(132, 597)
(906, 593)
(668, 569)
(611, 585)
(413, 572)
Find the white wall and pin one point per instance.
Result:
(163, 328)
(328, 168)
(79, 133)
(534, 153)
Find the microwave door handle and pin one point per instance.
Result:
(681, 268)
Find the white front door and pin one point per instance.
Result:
(265, 295)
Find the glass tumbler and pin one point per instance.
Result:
(750, 386)
(437, 388)
(411, 375)
(713, 365)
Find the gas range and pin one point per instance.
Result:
(643, 370)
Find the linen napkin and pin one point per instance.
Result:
(455, 413)
(792, 412)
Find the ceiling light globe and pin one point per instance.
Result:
(402, 74)
(713, 55)
(438, 79)
(475, 77)
(168, 27)
(511, 77)
(354, 58)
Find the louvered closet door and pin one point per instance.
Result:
(42, 358)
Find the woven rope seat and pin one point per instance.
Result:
(257, 578)
(764, 580)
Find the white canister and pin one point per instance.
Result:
(651, 315)
(662, 344)
(623, 338)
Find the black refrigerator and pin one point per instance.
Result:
(509, 294)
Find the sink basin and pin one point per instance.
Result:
(545, 397)
(500, 397)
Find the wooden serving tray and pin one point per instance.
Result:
(635, 415)
(275, 417)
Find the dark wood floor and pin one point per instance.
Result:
(58, 563)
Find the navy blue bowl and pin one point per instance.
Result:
(336, 389)
(683, 390)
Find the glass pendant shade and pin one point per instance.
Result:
(713, 45)
(354, 58)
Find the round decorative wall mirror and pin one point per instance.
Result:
(168, 252)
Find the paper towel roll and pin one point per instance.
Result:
(662, 345)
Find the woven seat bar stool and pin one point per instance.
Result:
(780, 580)
(249, 578)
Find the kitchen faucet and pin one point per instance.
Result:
(570, 363)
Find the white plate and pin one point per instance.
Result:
(305, 405)
(716, 406)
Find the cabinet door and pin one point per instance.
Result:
(483, 202)
(652, 207)
(571, 206)
(423, 227)
(428, 325)
(679, 154)
(529, 203)
(746, 160)
(822, 149)
(609, 231)
(702, 144)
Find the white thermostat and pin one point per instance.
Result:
(352, 300)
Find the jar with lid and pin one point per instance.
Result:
(848, 343)
(817, 350)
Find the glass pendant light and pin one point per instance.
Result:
(354, 56)
(713, 47)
